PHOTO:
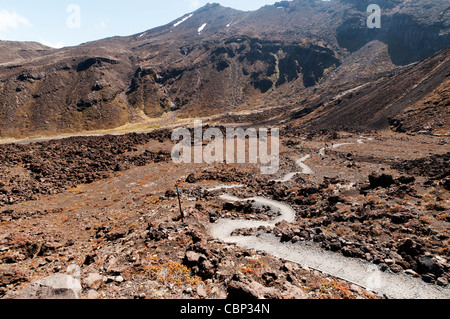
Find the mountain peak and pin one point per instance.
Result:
(214, 8)
(212, 60)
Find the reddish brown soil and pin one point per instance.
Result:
(128, 223)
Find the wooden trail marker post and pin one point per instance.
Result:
(179, 203)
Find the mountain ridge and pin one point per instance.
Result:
(211, 61)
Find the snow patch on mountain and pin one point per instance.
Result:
(201, 28)
(182, 20)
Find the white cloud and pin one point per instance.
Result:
(195, 4)
(55, 45)
(12, 20)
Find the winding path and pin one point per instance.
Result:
(225, 227)
(362, 273)
(306, 170)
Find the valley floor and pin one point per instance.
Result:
(380, 199)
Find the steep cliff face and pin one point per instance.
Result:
(412, 98)
(412, 34)
(66, 96)
(145, 93)
(244, 70)
(430, 114)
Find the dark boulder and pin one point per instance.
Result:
(269, 278)
(170, 193)
(287, 235)
(426, 265)
(352, 251)
(382, 180)
(446, 183)
(401, 218)
(406, 179)
(410, 247)
(191, 179)
(157, 234)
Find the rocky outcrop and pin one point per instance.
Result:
(435, 166)
(144, 93)
(246, 289)
(57, 286)
(60, 164)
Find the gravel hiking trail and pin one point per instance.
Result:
(359, 272)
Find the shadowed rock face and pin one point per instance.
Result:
(238, 60)
(408, 40)
(409, 99)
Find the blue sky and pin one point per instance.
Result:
(60, 23)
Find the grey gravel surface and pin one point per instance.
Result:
(364, 274)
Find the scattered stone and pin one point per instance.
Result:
(12, 275)
(269, 278)
(115, 235)
(247, 289)
(119, 279)
(351, 251)
(401, 218)
(192, 258)
(23, 243)
(335, 245)
(201, 290)
(191, 179)
(411, 272)
(442, 281)
(389, 262)
(406, 179)
(446, 183)
(287, 235)
(296, 239)
(396, 268)
(382, 180)
(429, 278)
(293, 292)
(241, 291)
(157, 234)
(93, 281)
(409, 247)
(287, 267)
(170, 193)
(90, 259)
